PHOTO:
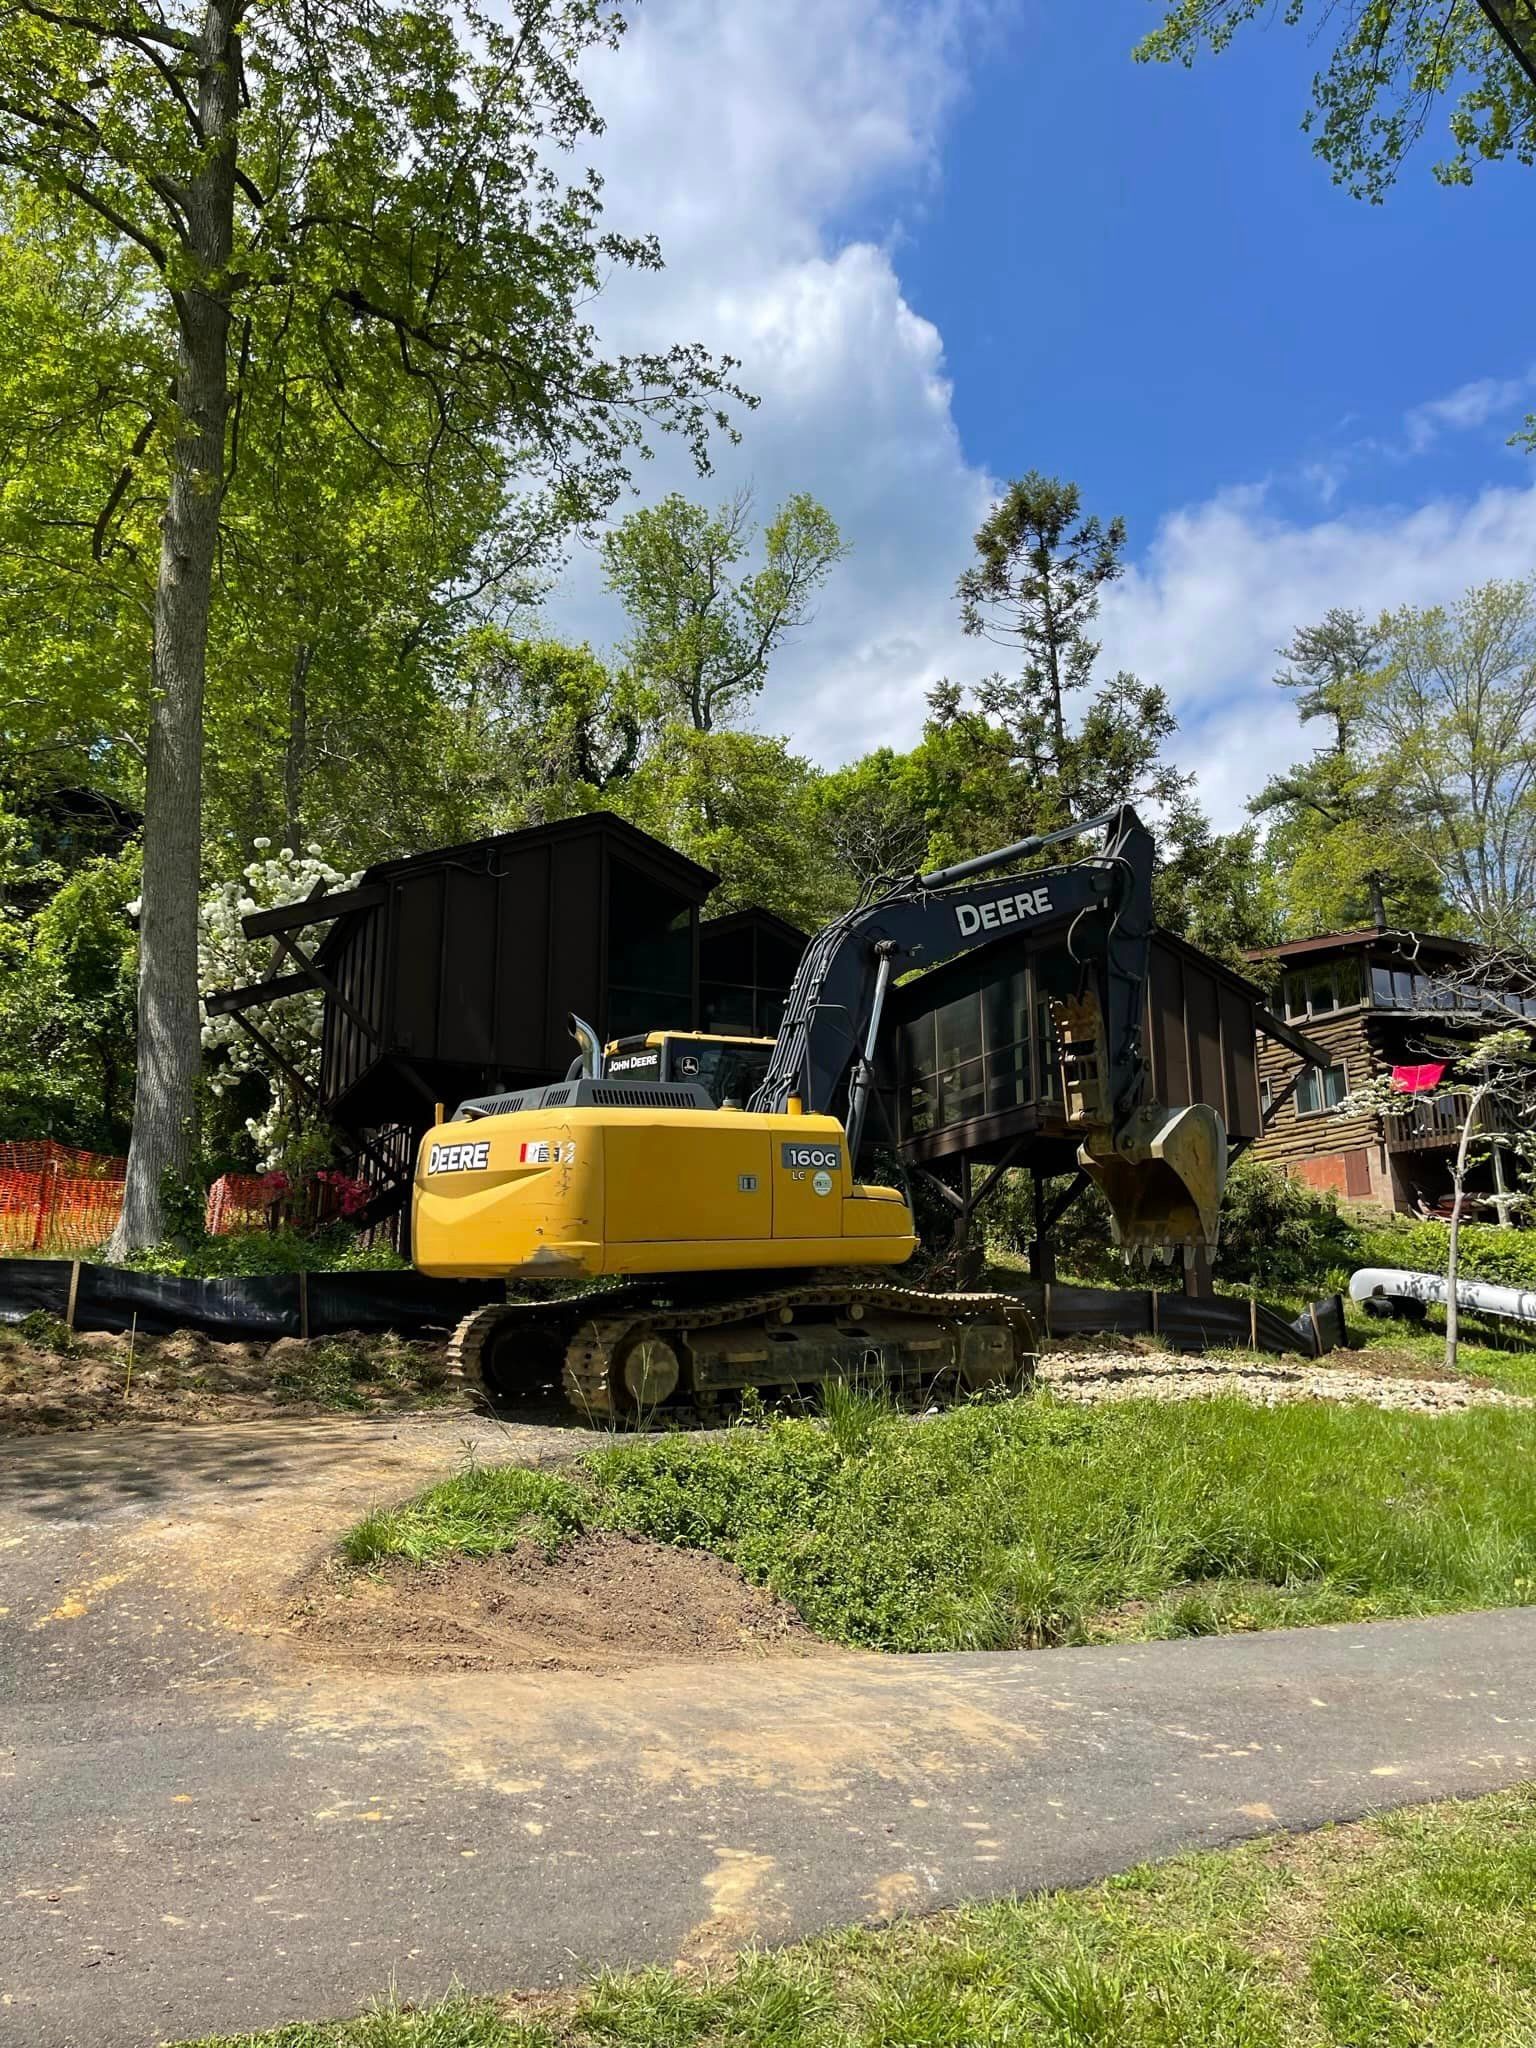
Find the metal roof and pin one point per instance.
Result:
(1356, 942)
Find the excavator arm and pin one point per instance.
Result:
(1162, 1171)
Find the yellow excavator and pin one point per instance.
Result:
(707, 1248)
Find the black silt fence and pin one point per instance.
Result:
(1183, 1323)
(265, 1305)
(271, 1305)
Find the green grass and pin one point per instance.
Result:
(1485, 1349)
(1414, 1930)
(1025, 1522)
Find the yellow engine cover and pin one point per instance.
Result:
(566, 1193)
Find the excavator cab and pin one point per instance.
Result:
(728, 1067)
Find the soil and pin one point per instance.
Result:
(603, 1603)
(55, 1381)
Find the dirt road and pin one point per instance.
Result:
(199, 1831)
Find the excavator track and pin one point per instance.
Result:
(629, 1355)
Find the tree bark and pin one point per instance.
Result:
(169, 1026)
(1453, 1247)
(1378, 902)
(296, 757)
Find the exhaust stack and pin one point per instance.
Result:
(590, 1061)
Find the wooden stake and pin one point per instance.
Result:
(74, 1291)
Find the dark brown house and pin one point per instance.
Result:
(451, 973)
(1375, 1001)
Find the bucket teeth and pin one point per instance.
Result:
(1163, 1180)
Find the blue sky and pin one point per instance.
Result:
(950, 240)
(1146, 279)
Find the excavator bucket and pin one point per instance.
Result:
(1163, 1180)
(1163, 1172)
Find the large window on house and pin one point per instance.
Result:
(970, 1057)
(1319, 991)
(1321, 1088)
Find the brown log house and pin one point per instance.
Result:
(1375, 1000)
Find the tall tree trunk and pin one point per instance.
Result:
(169, 1034)
(1378, 902)
(296, 757)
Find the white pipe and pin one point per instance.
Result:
(1379, 1283)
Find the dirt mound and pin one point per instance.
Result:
(52, 1378)
(602, 1603)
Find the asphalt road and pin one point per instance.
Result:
(198, 1834)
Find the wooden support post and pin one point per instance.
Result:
(74, 1295)
(1042, 1253)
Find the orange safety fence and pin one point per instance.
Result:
(239, 1201)
(55, 1200)
(266, 1201)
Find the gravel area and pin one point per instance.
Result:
(1090, 1377)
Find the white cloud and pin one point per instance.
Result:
(1225, 584)
(1470, 405)
(744, 136)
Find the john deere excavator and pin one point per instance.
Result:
(717, 1248)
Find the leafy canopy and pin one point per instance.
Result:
(702, 633)
(1391, 64)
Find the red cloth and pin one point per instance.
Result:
(1418, 1080)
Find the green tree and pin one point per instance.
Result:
(66, 993)
(1335, 834)
(523, 731)
(1333, 668)
(342, 588)
(702, 631)
(743, 804)
(78, 365)
(1454, 725)
(1215, 889)
(1041, 570)
(1391, 65)
(1036, 584)
(873, 816)
(372, 192)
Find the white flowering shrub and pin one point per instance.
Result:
(286, 1136)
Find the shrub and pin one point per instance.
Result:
(1279, 1232)
(1506, 1257)
(334, 1249)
